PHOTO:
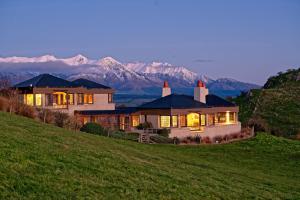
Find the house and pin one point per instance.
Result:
(50, 92)
(203, 114)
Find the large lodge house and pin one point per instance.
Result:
(203, 114)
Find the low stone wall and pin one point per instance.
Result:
(209, 131)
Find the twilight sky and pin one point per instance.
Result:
(247, 40)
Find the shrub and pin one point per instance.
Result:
(176, 140)
(161, 139)
(4, 104)
(61, 119)
(163, 132)
(218, 139)
(46, 116)
(197, 139)
(144, 125)
(73, 123)
(25, 110)
(206, 140)
(93, 128)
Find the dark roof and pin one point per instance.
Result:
(47, 80)
(175, 101)
(215, 101)
(89, 84)
(127, 110)
(44, 80)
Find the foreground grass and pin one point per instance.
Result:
(45, 162)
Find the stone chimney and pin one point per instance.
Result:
(166, 89)
(200, 92)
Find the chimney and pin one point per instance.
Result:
(166, 89)
(200, 92)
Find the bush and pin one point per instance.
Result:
(163, 132)
(46, 116)
(161, 139)
(176, 140)
(206, 140)
(197, 139)
(218, 139)
(93, 128)
(4, 104)
(61, 119)
(144, 125)
(26, 111)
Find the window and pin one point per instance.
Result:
(183, 120)
(165, 121)
(48, 99)
(71, 99)
(174, 121)
(38, 99)
(88, 98)
(203, 120)
(221, 117)
(135, 120)
(110, 98)
(193, 120)
(59, 98)
(231, 117)
(210, 119)
(29, 99)
(80, 99)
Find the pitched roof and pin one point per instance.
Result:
(47, 80)
(175, 101)
(44, 80)
(89, 84)
(215, 101)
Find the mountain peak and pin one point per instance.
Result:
(108, 61)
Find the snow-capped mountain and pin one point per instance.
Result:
(125, 77)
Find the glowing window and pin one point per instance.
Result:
(231, 117)
(88, 98)
(183, 120)
(221, 117)
(135, 121)
(203, 120)
(165, 121)
(193, 120)
(174, 121)
(71, 99)
(29, 99)
(38, 99)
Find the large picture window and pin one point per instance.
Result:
(220, 117)
(85, 99)
(165, 121)
(29, 99)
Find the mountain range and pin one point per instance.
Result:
(134, 77)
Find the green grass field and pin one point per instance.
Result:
(39, 161)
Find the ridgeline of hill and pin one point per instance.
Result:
(276, 107)
(41, 161)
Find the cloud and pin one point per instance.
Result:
(199, 60)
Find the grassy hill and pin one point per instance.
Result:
(275, 107)
(40, 160)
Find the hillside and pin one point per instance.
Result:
(39, 160)
(276, 107)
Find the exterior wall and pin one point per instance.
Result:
(210, 131)
(154, 120)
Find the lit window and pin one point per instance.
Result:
(183, 120)
(80, 99)
(210, 119)
(221, 117)
(193, 120)
(165, 121)
(174, 121)
(110, 98)
(135, 121)
(71, 99)
(38, 99)
(203, 120)
(88, 98)
(29, 99)
(231, 117)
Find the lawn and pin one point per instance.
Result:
(40, 161)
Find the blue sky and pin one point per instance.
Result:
(246, 40)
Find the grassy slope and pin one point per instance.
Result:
(40, 160)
